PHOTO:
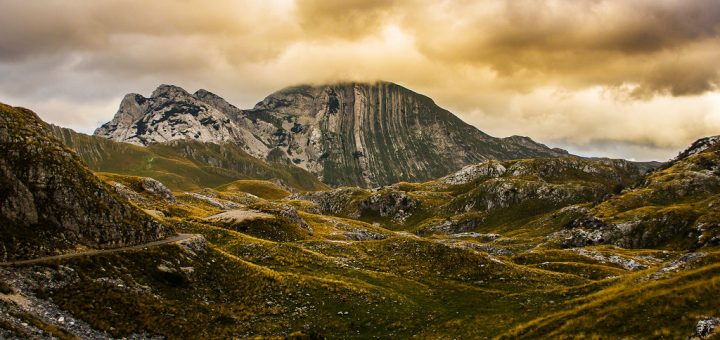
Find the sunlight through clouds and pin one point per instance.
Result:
(582, 75)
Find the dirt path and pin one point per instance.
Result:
(174, 239)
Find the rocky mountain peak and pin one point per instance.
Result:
(216, 101)
(171, 113)
(365, 134)
(169, 91)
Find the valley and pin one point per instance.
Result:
(147, 230)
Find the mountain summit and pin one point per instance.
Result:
(346, 134)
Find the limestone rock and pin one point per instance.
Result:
(346, 134)
(705, 328)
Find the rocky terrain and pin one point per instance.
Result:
(550, 247)
(52, 203)
(346, 134)
(183, 164)
(676, 206)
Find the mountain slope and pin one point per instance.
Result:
(346, 134)
(492, 196)
(51, 202)
(676, 206)
(479, 253)
(182, 164)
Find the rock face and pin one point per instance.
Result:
(169, 114)
(51, 202)
(346, 134)
(542, 183)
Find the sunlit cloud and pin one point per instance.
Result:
(635, 79)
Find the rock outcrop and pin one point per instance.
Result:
(346, 134)
(676, 206)
(51, 202)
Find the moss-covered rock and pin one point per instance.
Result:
(51, 202)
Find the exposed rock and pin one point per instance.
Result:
(158, 189)
(396, 205)
(213, 200)
(682, 263)
(477, 236)
(169, 114)
(500, 193)
(537, 184)
(456, 226)
(475, 171)
(627, 263)
(705, 328)
(332, 202)
(238, 215)
(285, 211)
(698, 146)
(363, 235)
(674, 206)
(487, 248)
(128, 193)
(27, 281)
(583, 232)
(52, 202)
(346, 134)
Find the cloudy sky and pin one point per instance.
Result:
(632, 79)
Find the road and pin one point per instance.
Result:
(174, 239)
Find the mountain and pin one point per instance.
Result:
(553, 247)
(52, 203)
(183, 165)
(346, 134)
(491, 196)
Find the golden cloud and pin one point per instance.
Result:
(582, 74)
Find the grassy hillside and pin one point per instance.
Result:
(660, 302)
(535, 248)
(676, 207)
(51, 203)
(263, 189)
(182, 165)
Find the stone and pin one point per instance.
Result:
(346, 134)
(705, 328)
(51, 201)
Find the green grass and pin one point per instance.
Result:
(182, 165)
(667, 307)
(272, 277)
(262, 189)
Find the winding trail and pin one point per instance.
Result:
(174, 239)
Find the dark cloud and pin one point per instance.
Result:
(348, 19)
(32, 28)
(569, 72)
(582, 43)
